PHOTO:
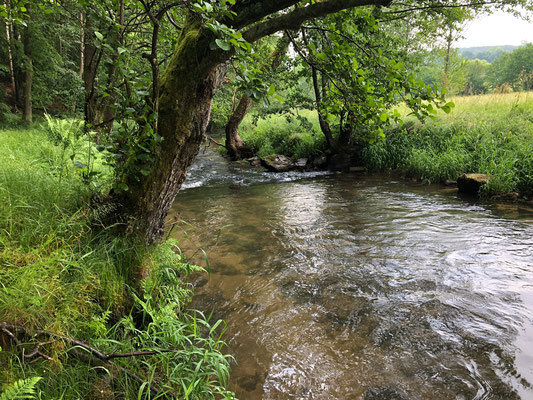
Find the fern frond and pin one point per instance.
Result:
(21, 389)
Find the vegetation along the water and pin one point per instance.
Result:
(104, 106)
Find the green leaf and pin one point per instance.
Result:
(223, 44)
(384, 117)
(21, 389)
(271, 90)
(450, 104)
(99, 35)
(321, 57)
(80, 165)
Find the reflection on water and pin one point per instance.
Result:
(350, 287)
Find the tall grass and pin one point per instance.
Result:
(490, 134)
(58, 273)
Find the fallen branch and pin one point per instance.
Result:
(215, 142)
(98, 358)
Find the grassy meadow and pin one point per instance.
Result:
(65, 277)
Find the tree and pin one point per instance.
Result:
(211, 34)
(514, 69)
(172, 110)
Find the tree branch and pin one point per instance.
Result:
(294, 19)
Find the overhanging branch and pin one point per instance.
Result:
(294, 19)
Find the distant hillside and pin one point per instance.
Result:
(489, 53)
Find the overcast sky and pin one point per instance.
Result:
(495, 30)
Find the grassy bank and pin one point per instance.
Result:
(66, 278)
(295, 135)
(489, 134)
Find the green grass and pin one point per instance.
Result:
(295, 135)
(62, 272)
(489, 134)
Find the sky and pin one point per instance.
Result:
(496, 29)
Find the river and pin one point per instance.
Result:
(347, 286)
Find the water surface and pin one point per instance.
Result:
(356, 287)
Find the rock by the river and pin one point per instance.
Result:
(301, 163)
(254, 161)
(357, 169)
(471, 183)
(277, 163)
(320, 161)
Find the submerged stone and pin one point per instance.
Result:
(449, 182)
(384, 393)
(511, 196)
(472, 183)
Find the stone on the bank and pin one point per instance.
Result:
(471, 183)
(301, 163)
(254, 161)
(277, 163)
(357, 169)
(320, 161)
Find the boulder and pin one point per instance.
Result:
(277, 163)
(471, 183)
(254, 161)
(320, 161)
(357, 169)
(301, 163)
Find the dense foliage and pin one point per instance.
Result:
(67, 279)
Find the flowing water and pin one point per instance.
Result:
(344, 286)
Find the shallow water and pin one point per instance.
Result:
(355, 287)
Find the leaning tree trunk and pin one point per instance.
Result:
(234, 144)
(186, 91)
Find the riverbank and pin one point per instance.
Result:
(73, 310)
(489, 134)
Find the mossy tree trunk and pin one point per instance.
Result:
(186, 91)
